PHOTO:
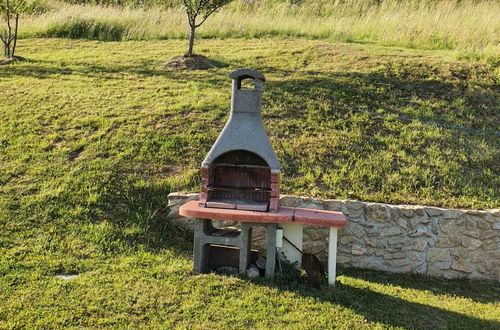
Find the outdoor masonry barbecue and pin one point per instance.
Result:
(240, 179)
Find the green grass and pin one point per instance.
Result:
(94, 135)
(469, 27)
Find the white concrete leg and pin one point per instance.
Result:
(332, 255)
(293, 232)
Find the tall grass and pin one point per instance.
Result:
(468, 26)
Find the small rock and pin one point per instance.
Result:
(253, 271)
(261, 262)
(66, 276)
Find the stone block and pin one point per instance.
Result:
(403, 211)
(334, 205)
(343, 259)
(393, 231)
(358, 250)
(452, 214)
(417, 220)
(448, 241)
(419, 245)
(401, 222)
(356, 230)
(434, 254)
(434, 211)
(378, 212)
(420, 231)
(373, 242)
(461, 265)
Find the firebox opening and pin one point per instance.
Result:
(239, 179)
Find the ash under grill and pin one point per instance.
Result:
(241, 170)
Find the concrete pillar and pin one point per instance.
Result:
(293, 232)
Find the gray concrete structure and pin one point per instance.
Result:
(244, 130)
(205, 234)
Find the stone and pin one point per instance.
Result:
(371, 263)
(419, 245)
(448, 241)
(459, 252)
(470, 224)
(334, 205)
(417, 220)
(398, 255)
(489, 234)
(345, 240)
(401, 262)
(401, 241)
(354, 209)
(343, 259)
(310, 203)
(393, 231)
(401, 222)
(491, 244)
(434, 254)
(420, 232)
(461, 266)
(434, 211)
(373, 242)
(358, 250)
(292, 201)
(414, 256)
(452, 214)
(176, 200)
(474, 244)
(496, 226)
(378, 212)
(403, 211)
(357, 230)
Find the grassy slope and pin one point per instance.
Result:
(469, 27)
(94, 135)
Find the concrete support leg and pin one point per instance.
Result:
(245, 246)
(200, 248)
(271, 249)
(332, 255)
(293, 233)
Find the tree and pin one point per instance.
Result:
(196, 9)
(10, 10)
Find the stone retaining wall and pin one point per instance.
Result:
(434, 241)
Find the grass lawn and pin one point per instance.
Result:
(94, 135)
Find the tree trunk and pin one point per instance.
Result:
(15, 35)
(191, 40)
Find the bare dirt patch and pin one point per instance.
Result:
(195, 62)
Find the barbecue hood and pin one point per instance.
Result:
(244, 130)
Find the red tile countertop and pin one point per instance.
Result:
(283, 215)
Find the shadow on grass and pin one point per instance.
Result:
(480, 291)
(387, 309)
(390, 310)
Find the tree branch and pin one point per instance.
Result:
(208, 14)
